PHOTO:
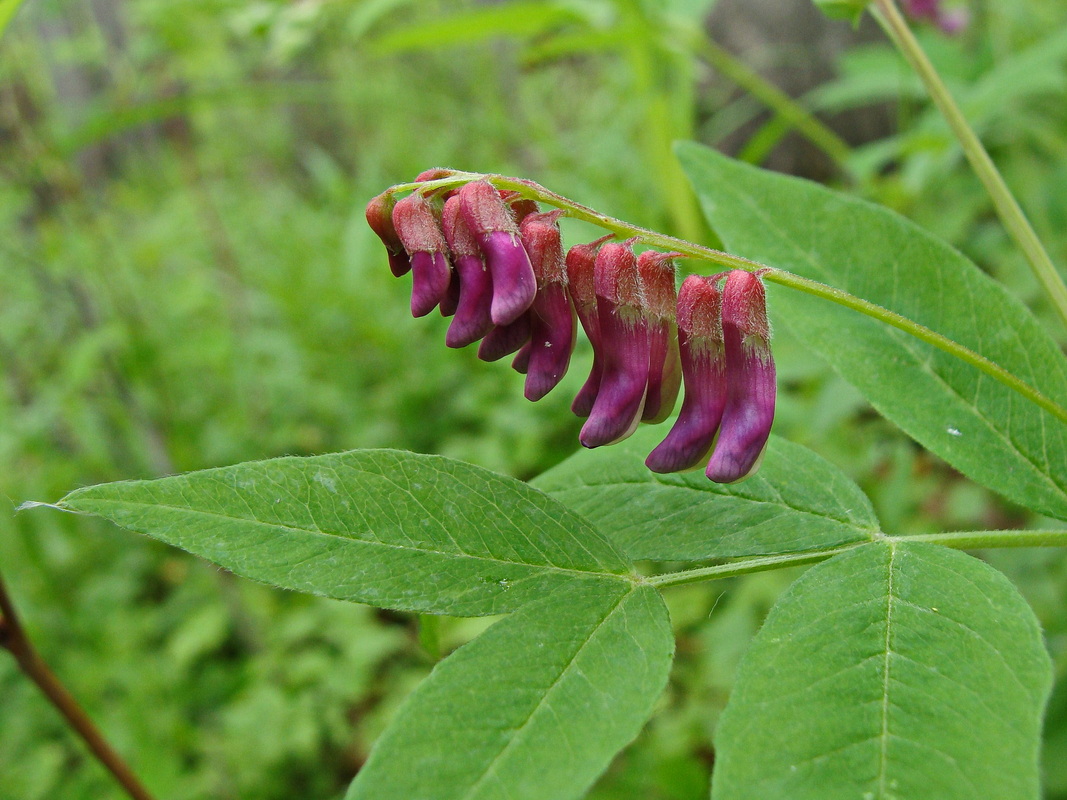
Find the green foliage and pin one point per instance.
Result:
(893, 671)
(983, 429)
(535, 707)
(393, 529)
(797, 501)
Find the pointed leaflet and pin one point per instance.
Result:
(797, 501)
(533, 709)
(982, 428)
(897, 670)
(385, 527)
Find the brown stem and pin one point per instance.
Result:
(13, 638)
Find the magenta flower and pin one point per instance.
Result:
(472, 320)
(581, 264)
(416, 223)
(503, 340)
(553, 331)
(750, 380)
(491, 220)
(380, 218)
(703, 362)
(657, 274)
(624, 346)
(950, 21)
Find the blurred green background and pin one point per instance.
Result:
(187, 281)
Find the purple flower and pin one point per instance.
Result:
(657, 274)
(553, 330)
(472, 320)
(418, 228)
(491, 220)
(380, 218)
(503, 340)
(624, 346)
(950, 21)
(703, 362)
(581, 264)
(750, 380)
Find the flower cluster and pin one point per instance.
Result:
(495, 263)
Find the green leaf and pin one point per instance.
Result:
(978, 425)
(851, 10)
(7, 12)
(891, 671)
(476, 25)
(534, 708)
(385, 527)
(797, 501)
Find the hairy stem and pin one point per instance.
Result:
(747, 566)
(13, 638)
(963, 540)
(977, 540)
(1007, 207)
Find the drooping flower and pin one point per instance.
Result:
(552, 334)
(657, 275)
(624, 346)
(472, 320)
(492, 222)
(418, 227)
(750, 380)
(380, 218)
(949, 20)
(503, 340)
(703, 362)
(581, 265)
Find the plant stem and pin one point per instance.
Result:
(13, 638)
(785, 107)
(962, 540)
(746, 567)
(976, 540)
(1007, 207)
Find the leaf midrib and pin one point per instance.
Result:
(331, 535)
(544, 699)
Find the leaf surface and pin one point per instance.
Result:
(533, 709)
(796, 501)
(893, 671)
(978, 425)
(385, 527)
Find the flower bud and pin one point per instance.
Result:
(657, 274)
(620, 398)
(750, 380)
(380, 218)
(703, 363)
(417, 225)
(492, 222)
(581, 263)
(472, 320)
(552, 334)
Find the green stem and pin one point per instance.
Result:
(976, 540)
(964, 540)
(746, 567)
(1008, 209)
(626, 230)
(785, 107)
